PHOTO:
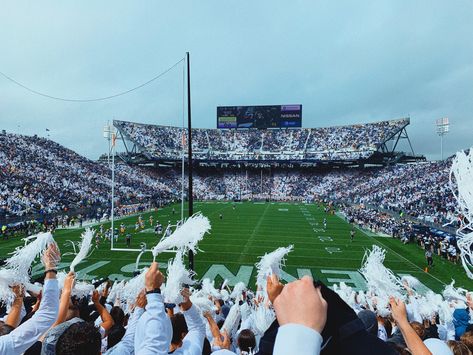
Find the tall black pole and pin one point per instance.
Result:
(189, 149)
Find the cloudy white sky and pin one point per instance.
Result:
(344, 61)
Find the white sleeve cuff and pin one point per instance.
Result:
(297, 339)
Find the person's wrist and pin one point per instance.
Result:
(185, 306)
(49, 266)
(50, 273)
(402, 322)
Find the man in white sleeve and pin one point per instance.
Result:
(153, 331)
(188, 329)
(301, 312)
(21, 338)
(126, 344)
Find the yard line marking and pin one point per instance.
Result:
(250, 239)
(332, 250)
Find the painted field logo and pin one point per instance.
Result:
(350, 277)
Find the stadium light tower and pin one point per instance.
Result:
(443, 127)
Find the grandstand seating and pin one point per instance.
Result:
(38, 175)
(350, 142)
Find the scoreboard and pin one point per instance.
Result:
(281, 116)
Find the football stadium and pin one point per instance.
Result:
(268, 231)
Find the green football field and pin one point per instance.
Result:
(247, 231)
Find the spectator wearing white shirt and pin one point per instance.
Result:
(21, 338)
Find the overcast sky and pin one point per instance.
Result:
(344, 61)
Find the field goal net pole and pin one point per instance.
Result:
(183, 143)
(110, 133)
(189, 150)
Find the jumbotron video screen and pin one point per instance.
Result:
(274, 116)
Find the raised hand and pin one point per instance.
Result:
(51, 257)
(186, 304)
(301, 303)
(95, 297)
(141, 300)
(69, 281)
(398, 310)
(153, 278)
(273, 287)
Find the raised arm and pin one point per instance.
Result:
(125, 346)
(193, 342)
(13, 318)
(154, 323)
(20, 339)
(65, 298)
(107, 320)
(413, 342)
(214, 329)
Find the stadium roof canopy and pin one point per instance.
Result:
(349, 145)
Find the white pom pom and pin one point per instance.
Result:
(132, 289)
(233, 319)
(23, 257)
(82, 289)
(115, 291)
(186, 236)
(427, 309)
(262, 319)
(7, 279)
(238, 291)
(410, 281)
(379, 278)
(461, 184)
(178, 276)
(203, 303)
(208, 288)
(445, 313)
(452, 293)
(465, 244)
(271, 263)
(85, 246)
(345, 292)
(382, 306)
(34, 288)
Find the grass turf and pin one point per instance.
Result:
(251, 229)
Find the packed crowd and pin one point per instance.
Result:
(331, 143)
(149, 314)
(378, 222)
(39, 176)
(419, 190)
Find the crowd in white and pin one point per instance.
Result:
(63, 315)
(328, 143)
(38, 175)
(41, 176)
(420, 190)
